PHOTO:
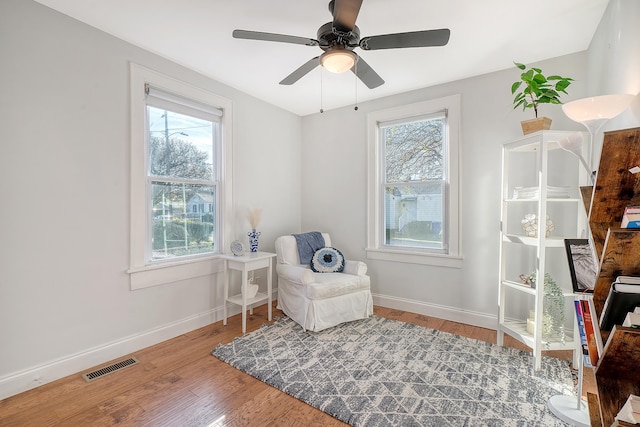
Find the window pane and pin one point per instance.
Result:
(180, 146)
(183, 219)
(413, 215)
(414, 151)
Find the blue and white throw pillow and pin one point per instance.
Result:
(327, 260)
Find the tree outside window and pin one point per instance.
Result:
(415, 182)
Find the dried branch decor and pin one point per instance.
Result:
(254, 217)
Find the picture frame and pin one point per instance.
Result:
(582, 264)
(237, 248)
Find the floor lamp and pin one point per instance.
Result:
(593, 113)
(573, 144)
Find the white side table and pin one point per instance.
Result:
(246, 263)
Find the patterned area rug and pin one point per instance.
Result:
(381, 372)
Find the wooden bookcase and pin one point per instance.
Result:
(618, 251)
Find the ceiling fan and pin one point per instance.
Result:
(340, 37)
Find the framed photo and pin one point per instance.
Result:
(582, 264)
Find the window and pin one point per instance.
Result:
(413, 183)
(183, 170)
(180, 176)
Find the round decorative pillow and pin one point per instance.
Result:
(327, 260)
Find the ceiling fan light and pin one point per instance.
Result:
(338, 61)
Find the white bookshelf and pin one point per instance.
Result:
(537, 163)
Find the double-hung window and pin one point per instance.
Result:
(183, 174)
(413, 183)
(180, 178)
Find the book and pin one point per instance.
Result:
(622, 298)
(634, 280)
(592, 331)
(586, 360)
(633, 319)
(630, 411)
(583, 266)
(631, 217)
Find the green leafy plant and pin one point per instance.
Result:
(553, 317)
(534, 88)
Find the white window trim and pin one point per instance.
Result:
(143, 274)
(375, 209)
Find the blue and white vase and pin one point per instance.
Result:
(253, 240)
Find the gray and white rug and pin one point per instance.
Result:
(382, 372)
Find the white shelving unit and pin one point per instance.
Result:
(537, 162)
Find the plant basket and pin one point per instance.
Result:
(534, 125)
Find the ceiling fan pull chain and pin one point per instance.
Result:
(321, 102)
(355, 77)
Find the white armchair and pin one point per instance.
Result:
(319, 301)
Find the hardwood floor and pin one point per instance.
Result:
(178, 383)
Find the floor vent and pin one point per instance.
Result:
(99, 373)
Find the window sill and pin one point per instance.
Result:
(411, 257)
(163, 273)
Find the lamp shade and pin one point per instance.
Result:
(338, 60)
(595, 108)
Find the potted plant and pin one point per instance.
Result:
(534, 89)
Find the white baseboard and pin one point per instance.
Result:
(453, 314)
(30, 378)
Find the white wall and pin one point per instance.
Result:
(65, 302)
(334, 160)
(614, 61)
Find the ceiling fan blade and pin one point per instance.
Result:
(271, 37)
(425, 38)
(345, 13)
(366, 74)
(301, 72)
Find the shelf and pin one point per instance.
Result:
(537, 164)
(550, 242)
(617, 187)
(237, 299)
(530, 142)
(619, 258)
(617, 374)
(524, 288)
(518, 286)
(518, 330)
(549, 200)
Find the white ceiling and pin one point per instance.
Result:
(486, 36)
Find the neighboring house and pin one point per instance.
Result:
(403, 209)
(199, 204)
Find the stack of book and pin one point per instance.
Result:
(624, 297)
(590, 337)
(534, 192)
(631, 217)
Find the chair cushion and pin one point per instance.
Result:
(327, 260)
(328, 285)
